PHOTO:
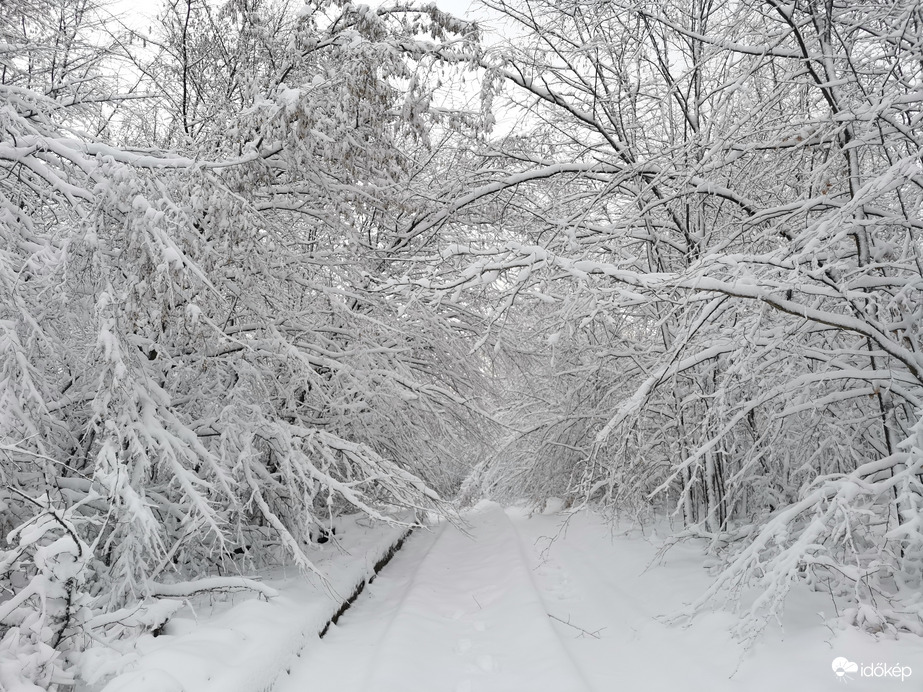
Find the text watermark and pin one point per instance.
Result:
(846, 669)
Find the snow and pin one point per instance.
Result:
(244, 645)
(186, 589)
(510, 599)
(288, 97)
(460, 613)
(613, 583)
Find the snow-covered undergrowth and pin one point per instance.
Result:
(221, 643)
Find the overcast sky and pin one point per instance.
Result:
(456, 7)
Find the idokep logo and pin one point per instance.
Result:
(843, 667)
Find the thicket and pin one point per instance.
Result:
(258, 267)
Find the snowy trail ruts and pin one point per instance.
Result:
(454, 613)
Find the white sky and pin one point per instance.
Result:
(456, 7)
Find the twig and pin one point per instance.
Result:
(53, 514)
(583, 632)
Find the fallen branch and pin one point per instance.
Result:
(582, 631)
(184, 589)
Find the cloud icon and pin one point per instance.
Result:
(841, 666)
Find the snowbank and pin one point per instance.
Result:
(242, 646)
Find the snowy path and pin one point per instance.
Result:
(452, 612)
(469, 612)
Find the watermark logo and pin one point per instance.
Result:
(843, 668)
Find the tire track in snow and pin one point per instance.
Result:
(599, 580)
(525, 552)
(473, 621)
(454, 612)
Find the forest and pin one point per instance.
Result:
(265, 263)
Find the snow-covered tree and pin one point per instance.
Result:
(201, 355)
(731, 192)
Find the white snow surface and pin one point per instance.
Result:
(244, 644)
(459, 612)
(515, 602)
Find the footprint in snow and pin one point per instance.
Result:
(462, 646)
(487, 663)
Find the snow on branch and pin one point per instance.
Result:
(187, 589)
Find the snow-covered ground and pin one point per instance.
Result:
(500, 606)
(455, 612)
(243, 644)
